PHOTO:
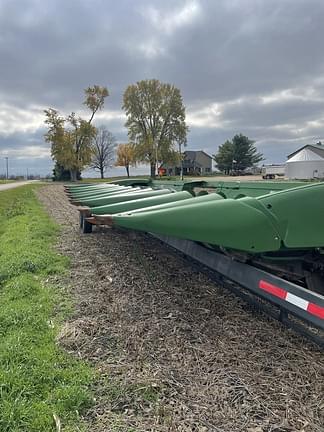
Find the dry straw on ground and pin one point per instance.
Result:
(173, 351)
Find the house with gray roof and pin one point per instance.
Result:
(195, 162)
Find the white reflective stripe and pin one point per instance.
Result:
(297, 301)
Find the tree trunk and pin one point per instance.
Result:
(153, 170)
(102, 173)
(127, 170)
(74, 174)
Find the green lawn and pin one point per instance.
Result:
(38, 381)
(6, 181)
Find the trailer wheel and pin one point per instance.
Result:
(81, 218)
(315, 282)
(87, 227)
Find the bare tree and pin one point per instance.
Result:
(104, 145)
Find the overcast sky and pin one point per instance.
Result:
(243, 66)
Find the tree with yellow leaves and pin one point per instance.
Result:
(125, 156)
(71, 138)
(155, 121)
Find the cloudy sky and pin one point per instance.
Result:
(243, 66)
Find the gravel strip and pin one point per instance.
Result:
(174, 352)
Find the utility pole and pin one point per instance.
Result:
(156, 157)
(7, 168)
(181, 162)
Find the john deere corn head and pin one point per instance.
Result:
(266, 237)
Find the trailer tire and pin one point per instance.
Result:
(81, 219)
(87, 227)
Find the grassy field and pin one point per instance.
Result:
(6, 181)
(41, 387)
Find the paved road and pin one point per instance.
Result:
(15, 184)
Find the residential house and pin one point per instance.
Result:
(195, 162)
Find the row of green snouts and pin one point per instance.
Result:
(290, 218)
(229, 189)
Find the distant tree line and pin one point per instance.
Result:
(155, 122)
(157, 130)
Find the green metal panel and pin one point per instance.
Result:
(103, 192)
(76, 186)
(230, 189)
(177, 185)
(134, 182)
(123, 197)
(124, 191)
(299, 214)
(90, 187)
(88, 190)
(290, 219)
(140, 203)
(228, 223)
(106, 195)
(188, 202)
(93, 191)
(234, 189)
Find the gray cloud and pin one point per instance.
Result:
(280, 112)
(250, 66)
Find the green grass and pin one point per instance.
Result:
(37, 379)
(6, 181)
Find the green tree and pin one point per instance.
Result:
(71, 137)
(237, 155)
(155, 120)
(61, 174)
(224, 157)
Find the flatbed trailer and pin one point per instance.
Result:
(262, 240)
(296, 307)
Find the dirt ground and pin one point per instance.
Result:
(173, 351)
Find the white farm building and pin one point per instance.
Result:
(306, 163)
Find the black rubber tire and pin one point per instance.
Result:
(87, 227)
